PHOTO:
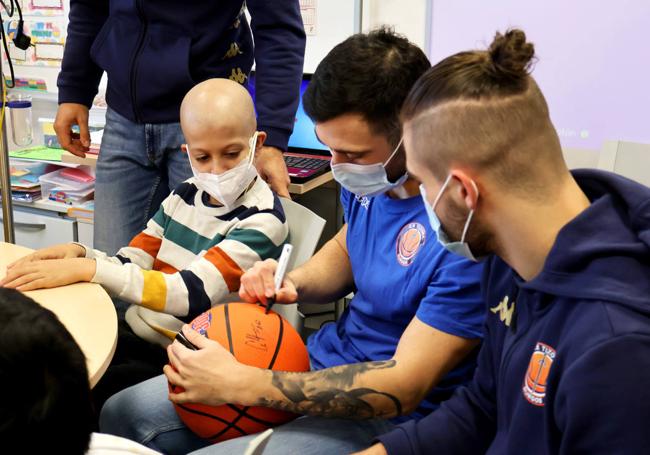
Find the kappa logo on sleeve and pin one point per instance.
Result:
(536, 378)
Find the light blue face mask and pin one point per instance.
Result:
(366, 179)
(461, 247)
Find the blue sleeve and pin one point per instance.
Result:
(464, 424)
(603, 398)
(279, 38)
(453, 302)
(79, 76)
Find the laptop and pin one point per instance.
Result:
(307, 157)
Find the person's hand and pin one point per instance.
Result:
(377, 449)
(258, 285)
(67, 115)
(62, 251)
(49, 274)
(270, 165)
(211, 375)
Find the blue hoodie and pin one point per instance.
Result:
(154, 52)
(565, 365)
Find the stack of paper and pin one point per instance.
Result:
(25, 185)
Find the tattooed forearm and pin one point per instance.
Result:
(334, 392)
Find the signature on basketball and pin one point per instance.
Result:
(255, 337)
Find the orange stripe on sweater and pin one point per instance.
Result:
(163, 266)
(147, 243)
(228, 268)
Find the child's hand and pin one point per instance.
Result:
(63, 251)
(48, 274)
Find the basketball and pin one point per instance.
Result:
(254, 338)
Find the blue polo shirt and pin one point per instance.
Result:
(400, 272)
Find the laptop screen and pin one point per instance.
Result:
(303, 139)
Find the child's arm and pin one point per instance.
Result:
(207, 280)
(143, 248)
(69, 263)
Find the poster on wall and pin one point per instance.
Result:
(43, 7)
(48, 39)
(308, 11)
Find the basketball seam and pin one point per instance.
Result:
(243, 411)
(211, 416)
(278, 343)
(226, 317)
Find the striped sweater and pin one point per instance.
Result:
(191, 256)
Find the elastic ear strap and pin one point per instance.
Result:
(442, 190)
(394, 151)
(252, 144)
(471, 213)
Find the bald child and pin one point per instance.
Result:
(191, 255)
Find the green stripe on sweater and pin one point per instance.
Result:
(258, 242)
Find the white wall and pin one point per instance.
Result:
(409, 17)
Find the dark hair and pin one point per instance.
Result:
(46, 404)
(490, 113)
(369, 74)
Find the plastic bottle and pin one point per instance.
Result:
(20, 109)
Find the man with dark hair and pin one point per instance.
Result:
(46, 407)
(407, 338)
(565, 365)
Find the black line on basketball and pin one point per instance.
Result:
(226, 317)
(278, 343)
(205, 414)
(242, 413)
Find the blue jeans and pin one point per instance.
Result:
(144, 414)
(138, 166)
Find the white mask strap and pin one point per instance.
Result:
(471, 214)
(394, 152)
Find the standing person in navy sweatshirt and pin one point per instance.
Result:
(565, 365)
(153, 54)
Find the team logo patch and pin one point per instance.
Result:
(409, 241)
(537, 374)
(202, 323)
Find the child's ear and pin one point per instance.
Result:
(261, 138)
(184, 148)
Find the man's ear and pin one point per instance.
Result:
(261, 138)
(184, 148)
(468, 190)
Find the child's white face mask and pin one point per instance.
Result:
(228, 186)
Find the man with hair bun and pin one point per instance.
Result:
(565, 364)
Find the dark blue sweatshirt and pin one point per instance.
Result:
(154, 52)
(565, 363)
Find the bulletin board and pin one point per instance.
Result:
(46, 22)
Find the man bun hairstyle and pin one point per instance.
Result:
(511, 57)
(483, 109)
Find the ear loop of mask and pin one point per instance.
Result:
(394, 152)
(471, 212)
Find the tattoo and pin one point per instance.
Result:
(331, 393)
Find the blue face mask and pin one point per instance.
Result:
(366, 179)
(461, 247)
